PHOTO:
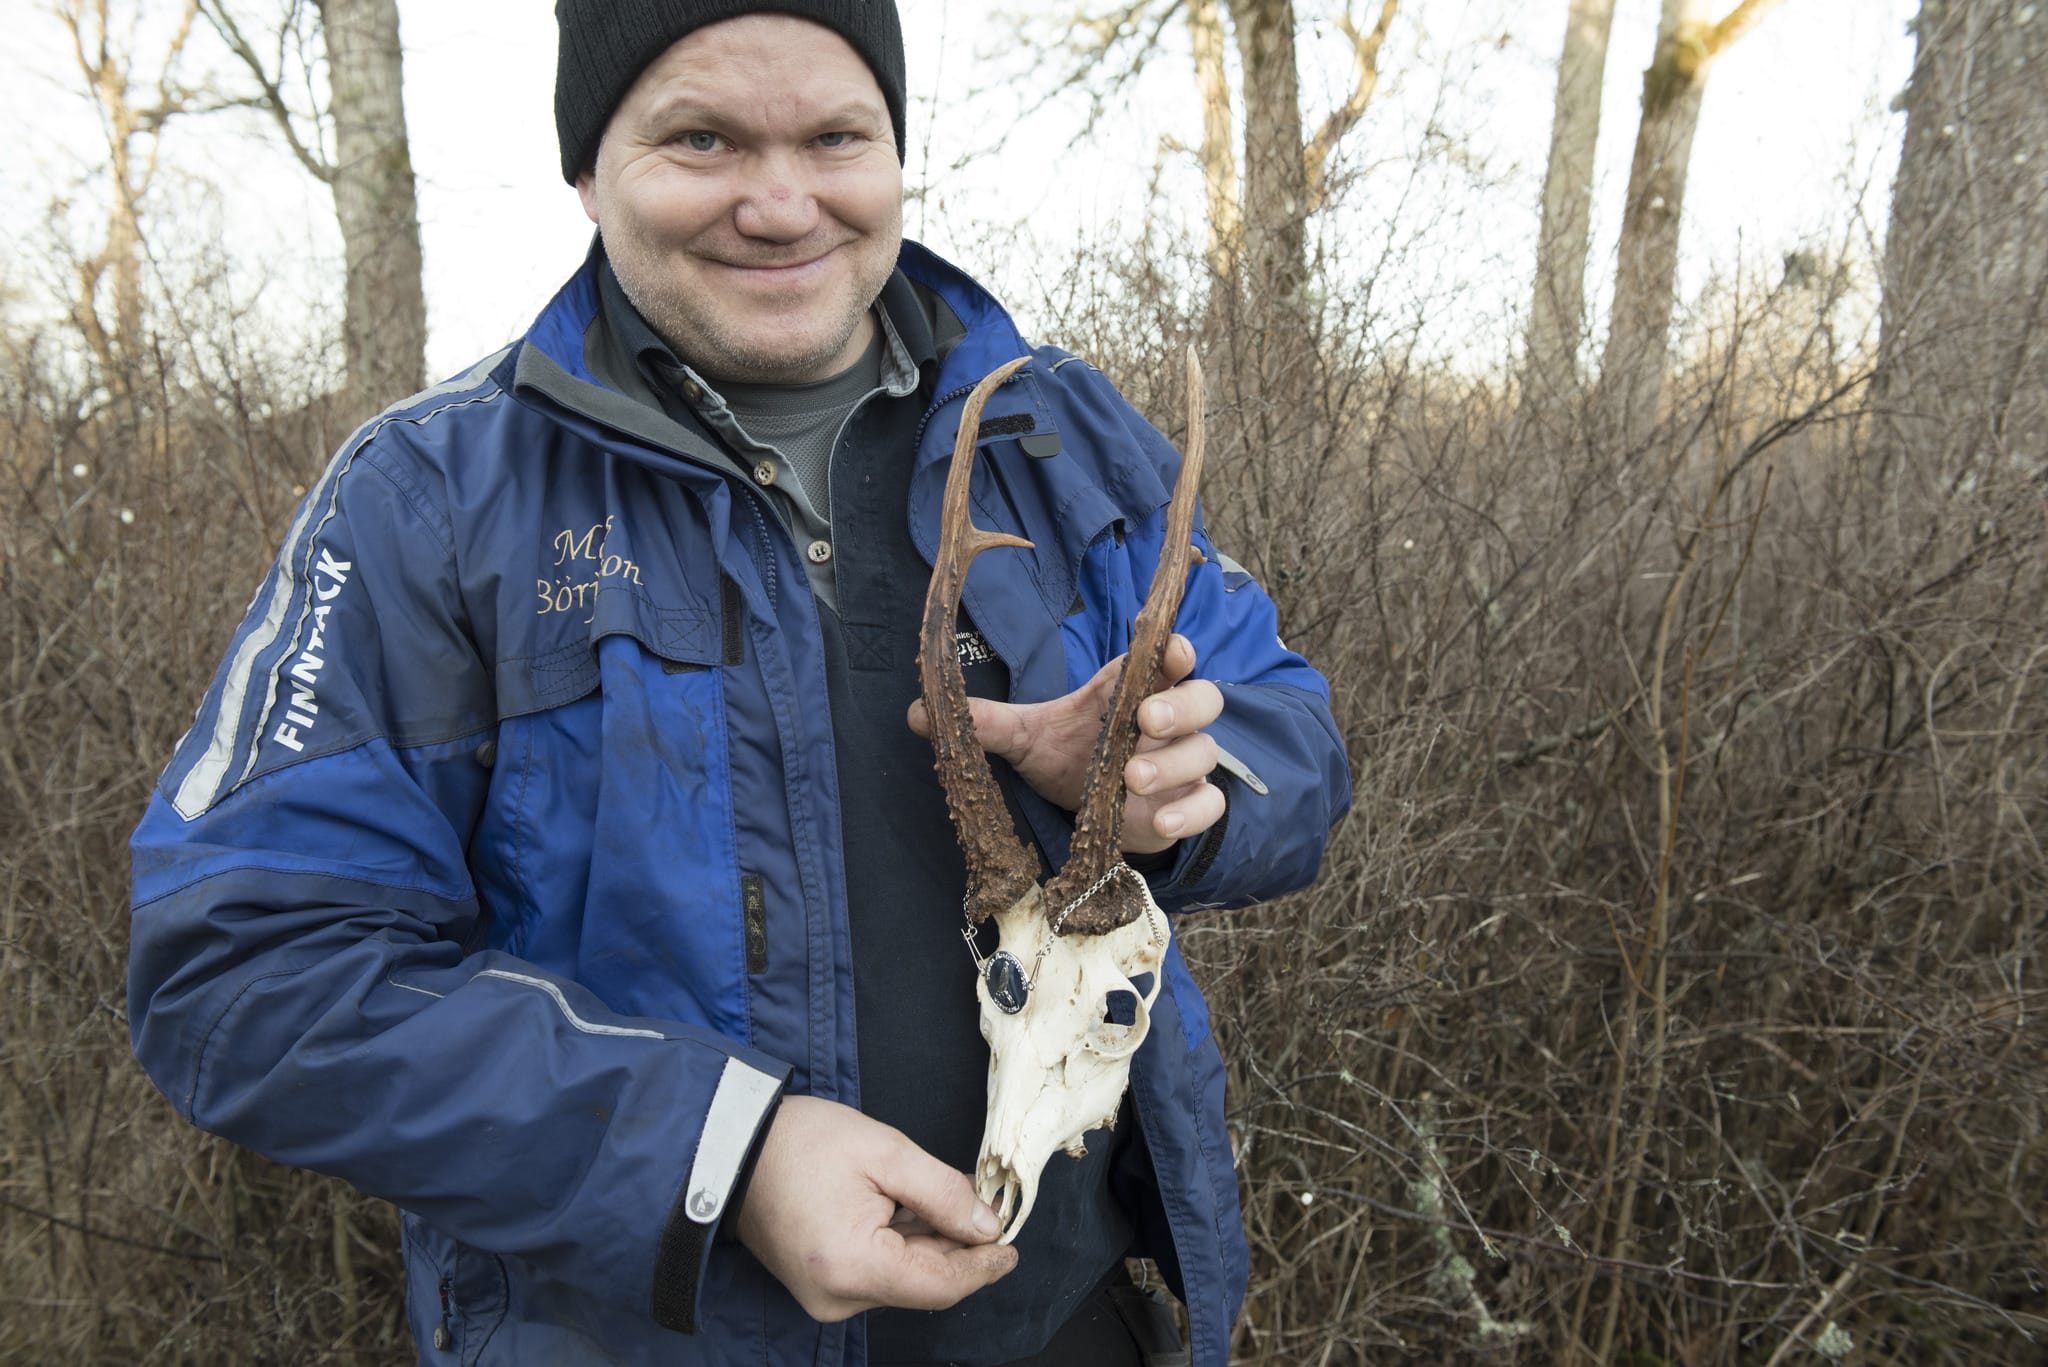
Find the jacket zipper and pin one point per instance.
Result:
(444, 1334)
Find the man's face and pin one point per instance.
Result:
(750, 199)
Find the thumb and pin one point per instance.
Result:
(943, 1198)
(1003, 729)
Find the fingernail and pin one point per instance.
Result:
(1144, 771)
(986, 1223)
(1162, 715)
(1170, 822)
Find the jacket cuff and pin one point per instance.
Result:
(741, 1109)
(1186, 864)
(1201, 854)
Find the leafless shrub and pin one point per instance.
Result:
(1666, 996)
(140, 504)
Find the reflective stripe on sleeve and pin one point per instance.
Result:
(562, 1001)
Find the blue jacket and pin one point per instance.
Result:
(499, 872)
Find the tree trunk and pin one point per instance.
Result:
(385, 323)
(1275, 175)
(1557, 313)
(1219, 150)
(1964, 354)
(1646, 275)
(134, 134)
(124, 228)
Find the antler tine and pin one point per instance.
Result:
(1000, 871)
(1098, 826)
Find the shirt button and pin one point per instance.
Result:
(820, 552)
(764, 474)
(692, 390)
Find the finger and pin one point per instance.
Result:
(926, 1272)
(910, 1224)
(1178, 662)
(1153, 825)
(1181, 709)
(1010, 730)
(937, 1194)
(930, 1272)
(1176, 764)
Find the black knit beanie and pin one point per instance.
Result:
(606, 44)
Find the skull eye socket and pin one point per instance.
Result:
(1122, 1026)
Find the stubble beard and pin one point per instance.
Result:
(708, 340)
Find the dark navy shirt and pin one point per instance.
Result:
(923, 1063)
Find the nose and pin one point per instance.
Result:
(777, 203)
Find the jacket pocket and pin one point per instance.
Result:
(607, 854)
(456, 1298)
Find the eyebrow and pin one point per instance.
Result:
(682, 107)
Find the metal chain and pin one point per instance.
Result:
(1114, 869)
(967, 932)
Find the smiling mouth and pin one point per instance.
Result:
(773, 269)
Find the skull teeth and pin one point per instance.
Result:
(1008, 1194)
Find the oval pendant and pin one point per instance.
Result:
(1007, 986)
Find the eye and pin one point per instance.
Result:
(700, 140)
(834, 141)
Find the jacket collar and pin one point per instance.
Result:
(943, 314)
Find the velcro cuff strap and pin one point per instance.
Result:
(744, 1095)
(743, 1099)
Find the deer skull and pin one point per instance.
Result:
(1066, 998)
(1058, 1066)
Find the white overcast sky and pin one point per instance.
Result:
(1795, 133)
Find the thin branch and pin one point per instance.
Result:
(272, 97)
(1745, 17)
(1094, 39)
(1365, 49)
(108, 1235)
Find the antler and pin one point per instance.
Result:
(1000, 870)
(1095, 851)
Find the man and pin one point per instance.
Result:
(556, 855)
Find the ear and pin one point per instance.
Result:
(586, 190)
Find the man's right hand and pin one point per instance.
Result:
(821, 1213)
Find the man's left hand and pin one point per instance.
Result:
(1051, 744)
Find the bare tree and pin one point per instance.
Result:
(1286, 170)
(355, 143)
(1632, 369)
(1275, 170)
(1965, 350)
(1257, 219)
(1219, 145)
(1557, 312)
(132, 121)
